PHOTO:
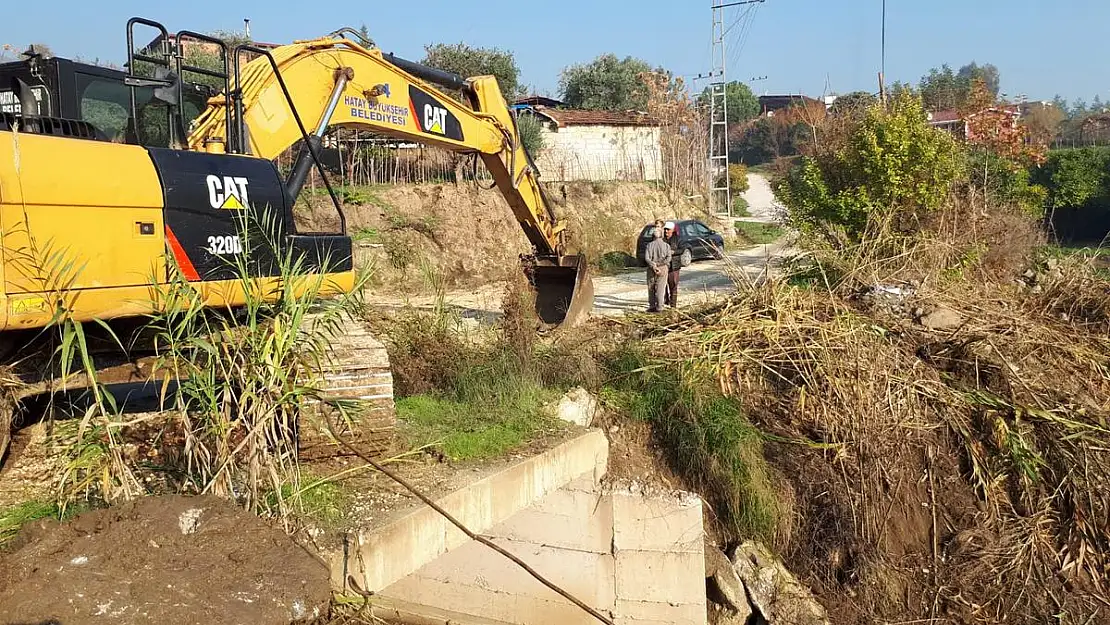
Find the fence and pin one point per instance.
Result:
(358, 158)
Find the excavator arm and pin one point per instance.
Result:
(336, 82)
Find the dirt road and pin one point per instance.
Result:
(703, 280)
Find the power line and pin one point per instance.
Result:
(742, 37)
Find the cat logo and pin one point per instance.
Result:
(435, 119)
(227, 192)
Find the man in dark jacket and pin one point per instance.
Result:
(671, 237)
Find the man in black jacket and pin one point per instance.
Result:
(671, 237)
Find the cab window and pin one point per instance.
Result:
(104, 104)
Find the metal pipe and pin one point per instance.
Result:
(430, 74)
(342, 77)
(304, 158)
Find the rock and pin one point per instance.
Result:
(724, 616)
(578, 406)
(714, 559)
(941, 318)
(729, 591)
(778, 596)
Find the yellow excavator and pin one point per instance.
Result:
(135, 173)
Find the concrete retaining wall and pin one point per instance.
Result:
(380, 556)
(634, 557)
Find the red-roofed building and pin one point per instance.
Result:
(957, 124)
(597, 145)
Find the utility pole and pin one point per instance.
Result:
(720, 195)
(882, 59)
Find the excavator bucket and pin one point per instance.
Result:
(564, 289)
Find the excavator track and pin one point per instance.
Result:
(359, 372)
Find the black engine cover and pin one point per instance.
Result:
(223, 211)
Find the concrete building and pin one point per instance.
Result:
(769, 104)
(597, 145)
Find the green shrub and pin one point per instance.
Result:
(740, 207)
(1006, 182)
(1077, 177)
(531, 134)
(893, 162)
(737, 178)
(615, 262)
(758, 233)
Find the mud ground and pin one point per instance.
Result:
(171, 559)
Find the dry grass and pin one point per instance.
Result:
(959, 473)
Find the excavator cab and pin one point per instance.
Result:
(42, 86)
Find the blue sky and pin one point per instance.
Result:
(799, 45)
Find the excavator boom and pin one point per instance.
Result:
(336, 82)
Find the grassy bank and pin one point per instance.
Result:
(758, 233)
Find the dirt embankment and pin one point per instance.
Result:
(468, 236)
(166, 559)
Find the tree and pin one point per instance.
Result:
(467, 61)
(15, 52)
(977, 98)
(987, 73)
(893, 164)
(898, 87)
(607, 83)
(1043, 122)
(943, 89)
(940, 90)
(743, 104)
(769, 138)
(853, 102)
(364, 32)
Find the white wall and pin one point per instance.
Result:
(600, 153)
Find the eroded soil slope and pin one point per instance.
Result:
(468, 236)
